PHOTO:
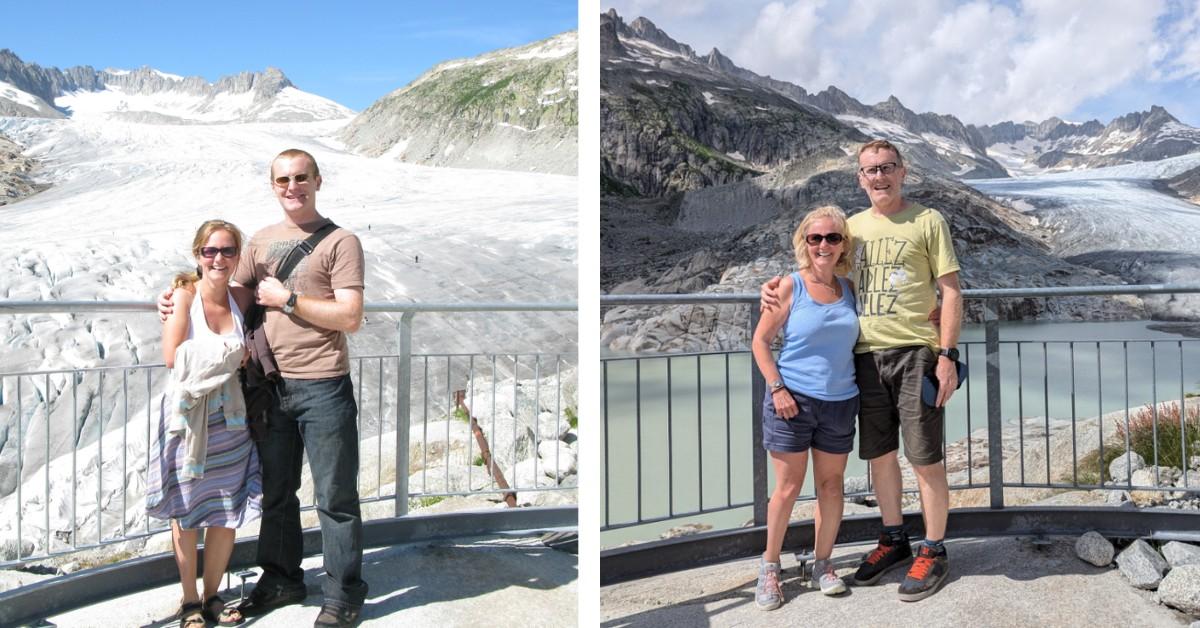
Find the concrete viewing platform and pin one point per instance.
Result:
(511, 579)
(994, 581)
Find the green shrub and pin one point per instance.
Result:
(1170, 430)
(572, 417)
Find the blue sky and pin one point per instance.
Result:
(984, 61)
(353, 54)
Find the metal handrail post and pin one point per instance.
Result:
(995, 445)
(758, 388)
(403, 411)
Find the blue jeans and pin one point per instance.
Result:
(317, 416)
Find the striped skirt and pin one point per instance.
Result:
(230, 493)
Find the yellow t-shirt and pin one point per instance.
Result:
(897, 260)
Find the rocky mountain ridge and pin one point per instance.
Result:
(149, 95)
(1054, 144)
(514, 109)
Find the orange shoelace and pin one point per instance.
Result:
(920, 568)
(877, 553)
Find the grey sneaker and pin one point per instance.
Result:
(823, 575)
(768, 594)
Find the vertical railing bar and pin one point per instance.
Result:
(46, 497)
(970, 457)
(699, 439)
(558, 473)
(1154, 397)
(1183, 460)
(1046, 404)
(403, 411)
(470, 432)
(995, 437)
(379, 433)
(495, 385)
(100, 461)
(728, 438)
(449, 419)
(75, 429)
(1153, 388)
(1100, 408)
(425, 425)
(637, 413)
(149, 421)
(537, 414)
(1074, 419)
(670, 448)
(124, 451)
(20, 466)
(515, 405)
(1128, 458)
(1021, 411)
(604, 437)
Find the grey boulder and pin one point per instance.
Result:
(1141, 565)
(1093, 548)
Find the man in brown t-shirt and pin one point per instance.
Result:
(307, 319)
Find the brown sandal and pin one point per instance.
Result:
(191, 615)
(216, 612)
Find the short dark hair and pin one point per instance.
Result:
(878, 145)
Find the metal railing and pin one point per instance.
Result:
(67, 416)
(666, 411)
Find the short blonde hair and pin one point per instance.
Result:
(800, 247)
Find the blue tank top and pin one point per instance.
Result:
(817, 358)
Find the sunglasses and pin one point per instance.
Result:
(210, 252)
(814, 239)
(885, 169)
(300, 179)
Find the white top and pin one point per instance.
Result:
(196, 313)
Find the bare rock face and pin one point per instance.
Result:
(1141, 565)
(16, 173)
(1093, 548)
(513, 109)
(1181, 589)
(1179, 554)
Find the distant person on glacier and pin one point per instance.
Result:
(812, 398)
(307, 319)
(204, 471)
(903, 258)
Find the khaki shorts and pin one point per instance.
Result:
(890, 405)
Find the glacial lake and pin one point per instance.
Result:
(1111, 366)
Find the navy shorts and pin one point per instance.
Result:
(820, 424)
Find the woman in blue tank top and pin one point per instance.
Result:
(812, 399)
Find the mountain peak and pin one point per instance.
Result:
(645, 29)
(719, 61)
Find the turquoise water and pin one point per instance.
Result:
(699, 453)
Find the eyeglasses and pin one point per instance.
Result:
(210, 252)
(300, 179)
(814, 239)
(884, 169)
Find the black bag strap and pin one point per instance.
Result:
(302, 250)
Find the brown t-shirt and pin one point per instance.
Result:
(302, 350)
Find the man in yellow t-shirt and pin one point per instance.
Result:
(903, 258)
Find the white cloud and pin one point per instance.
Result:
(982, 61)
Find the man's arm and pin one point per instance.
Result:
(951, 322)
(342, 313)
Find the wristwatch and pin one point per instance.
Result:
(951, 352)
(290, 306)
(776, 385)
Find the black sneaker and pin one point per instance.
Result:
(264, 599)
(337, 614)
(927, 573)
(886, 555)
